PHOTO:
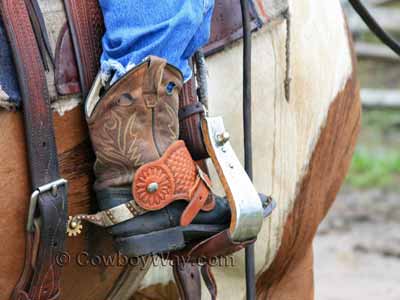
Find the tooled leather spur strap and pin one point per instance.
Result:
(40, 278)
(175, 177)
(87, 28)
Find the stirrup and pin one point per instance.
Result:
(246, 209)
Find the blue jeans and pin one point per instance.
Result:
(172, 29)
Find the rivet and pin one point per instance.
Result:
(223, 137)
(152, 187)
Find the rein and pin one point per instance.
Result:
(248, 145)
(374, 26)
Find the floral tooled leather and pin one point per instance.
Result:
(174, 176)
(134, 122)
(154, 174)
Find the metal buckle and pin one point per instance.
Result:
(203, 177)
(53, 187)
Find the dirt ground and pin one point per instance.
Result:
(357, 249)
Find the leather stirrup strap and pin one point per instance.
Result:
(187, 279)
(45, 235)
(188, 282)
(209, 280)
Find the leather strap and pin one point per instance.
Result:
(209, 281)
(41, 275)
(40, 31)
(87, 28)
(187, 279)
(190, 114)
(189, 110)
(218, 245)
(226, 25)
(174, 176)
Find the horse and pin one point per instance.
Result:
(304, 135)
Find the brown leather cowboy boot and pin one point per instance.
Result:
(153, 196)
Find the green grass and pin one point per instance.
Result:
(376, 161)
(372, 169)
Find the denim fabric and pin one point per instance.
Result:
(172, 29)
(8, 78)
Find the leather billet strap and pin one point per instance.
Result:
(48, 209)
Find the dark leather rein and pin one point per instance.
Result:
(374, 26)
(248, 145)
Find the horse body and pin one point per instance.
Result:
(302, 149)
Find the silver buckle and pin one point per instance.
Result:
(202, 176)
(53, 187)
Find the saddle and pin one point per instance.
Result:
(78, 51)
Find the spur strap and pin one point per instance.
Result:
(173, 177)
(48, 207)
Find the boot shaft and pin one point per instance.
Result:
(135, 121)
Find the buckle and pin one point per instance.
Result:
(53, 187)
(204, 177)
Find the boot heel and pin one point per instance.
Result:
(151, 243)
